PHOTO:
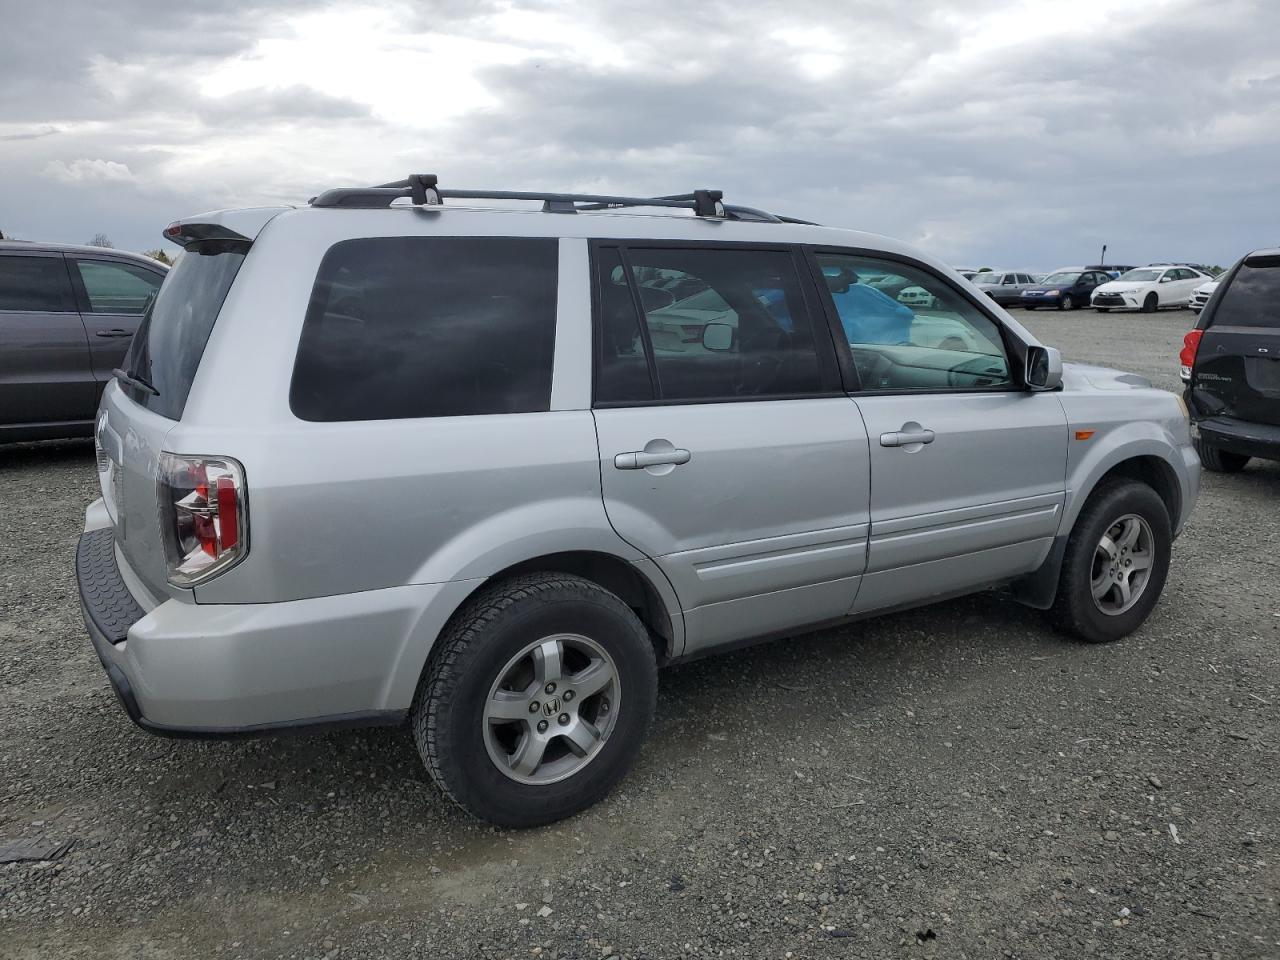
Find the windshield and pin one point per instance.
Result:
(1144, 275)
(1066, 279)
(170, 341)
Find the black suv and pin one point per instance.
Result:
(1231, 365)
(67, 315)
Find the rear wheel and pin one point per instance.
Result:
(1027, 306)
(1150, 304)
(1219, 460)
(1116, 563)
(536, 699)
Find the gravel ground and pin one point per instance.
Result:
(957, 781)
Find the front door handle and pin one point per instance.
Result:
(639, 459)
(911, 433)
(117, 332)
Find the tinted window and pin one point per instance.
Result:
(720, 324)
(170, 341)
(403, 327)
(624, 367)
(117, 287)
(909, 330)
(37, 284)
(1252, 298)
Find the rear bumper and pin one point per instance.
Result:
(1240, 436)
(226, 670)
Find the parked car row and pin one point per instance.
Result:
(1146, 289)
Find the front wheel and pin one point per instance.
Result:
(1027, 306)
(1066, 303)
(1219, 460)
(535, 699)
(1103, 309)
(1150, 304)
(1116, 563)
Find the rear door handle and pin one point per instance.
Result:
(117, 332)
(639, 459)
(904, 437)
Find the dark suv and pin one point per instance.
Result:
(1231, 365)
(67, 314)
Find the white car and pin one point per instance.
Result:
(1148, 289)
(1201, 294)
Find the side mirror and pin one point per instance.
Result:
(1044, 368)
(717, 337)
(1166, 278)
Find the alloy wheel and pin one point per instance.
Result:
(551, 709)
(1122, 564)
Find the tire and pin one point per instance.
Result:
(461, 745)
(1103, 309)
(1151, 303)
(1066, 303)
(1028, 307)
(1219, 460)
(1112, 507)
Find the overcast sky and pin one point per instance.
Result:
(991, 132)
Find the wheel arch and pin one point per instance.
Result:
(1040, 589)
(640, 584)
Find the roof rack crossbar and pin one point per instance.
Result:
(422, 189)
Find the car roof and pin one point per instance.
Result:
(625, 224)
(110, 253)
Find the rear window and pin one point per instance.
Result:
(171, 338)
(407, 327)
(34, 285)
(1252, 298)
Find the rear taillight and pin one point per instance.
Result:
(1187, 358)
(203, 516)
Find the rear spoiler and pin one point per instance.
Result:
(243, 225)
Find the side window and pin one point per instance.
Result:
(35, 285)
(402, 327)
(909, 330)
(721, 324)
(624, 367)
(117, 287)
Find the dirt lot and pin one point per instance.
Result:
(957, 781)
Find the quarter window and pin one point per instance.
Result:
(34, 285)
(117, 288)
(719, 324)
(909, 330)
(403, 327)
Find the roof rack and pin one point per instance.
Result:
(423, 189)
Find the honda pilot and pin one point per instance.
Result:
(386, 458)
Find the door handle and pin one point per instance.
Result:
(639, 459)
(905, 437)
(117, 332)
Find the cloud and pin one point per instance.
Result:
(998, 131)
(292, 103)
(29, 134)
(89, 171)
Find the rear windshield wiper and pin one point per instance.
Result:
(134, 380)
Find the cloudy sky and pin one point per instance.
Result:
(992, 132)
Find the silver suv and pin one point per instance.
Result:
(388, 457)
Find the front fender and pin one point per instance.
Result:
(1088, 461)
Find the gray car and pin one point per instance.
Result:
(66, 316)
(1004, 286)
(386, 458)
